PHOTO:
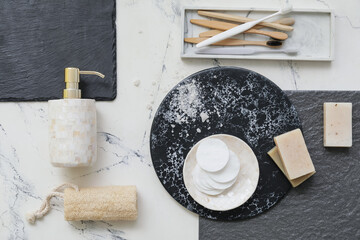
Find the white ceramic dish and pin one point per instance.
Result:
(313, 34)
(243, 188)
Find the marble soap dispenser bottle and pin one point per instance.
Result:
(72, 125)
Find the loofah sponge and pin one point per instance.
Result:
(97, 203)
(101, 203)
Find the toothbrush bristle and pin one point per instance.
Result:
(274, 43)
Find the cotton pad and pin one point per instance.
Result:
(229, 172)
(212, 154)
(200, 179)
(205, 180)
(201, 184)
(219, 186)
(209, 192)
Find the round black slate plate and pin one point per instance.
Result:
(225, 100)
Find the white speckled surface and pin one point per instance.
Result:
(238, 102)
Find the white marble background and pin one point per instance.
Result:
(148, 45)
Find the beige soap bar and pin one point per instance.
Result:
(274, 154)
(337, 124)
(294, 154)
(101, 203)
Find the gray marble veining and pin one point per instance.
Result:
(18, 190)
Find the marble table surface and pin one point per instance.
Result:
(148, 45)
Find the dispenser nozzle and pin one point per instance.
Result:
(92, 73)
(72, 79)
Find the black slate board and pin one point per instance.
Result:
(326, 206)
(239, 102)
(38, 39)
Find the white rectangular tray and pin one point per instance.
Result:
(313, 34)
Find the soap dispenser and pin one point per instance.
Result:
(72, 125)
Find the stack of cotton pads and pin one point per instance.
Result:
(217, 167)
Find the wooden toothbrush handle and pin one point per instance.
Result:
(283, 21)
(213, 24)
(275, 35)
(226, 26)
(229, 42)
(209, 33)
(241, 19)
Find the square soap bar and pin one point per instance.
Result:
(294, 154)
(337, 124)
(274, 154)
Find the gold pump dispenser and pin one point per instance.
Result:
(72, 79)
(73, 125)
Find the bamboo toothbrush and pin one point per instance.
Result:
(284, 21)
(240, 19)
(237, 42)
(273, 35)
(242, 51)
(226, 26)
(241, 28)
